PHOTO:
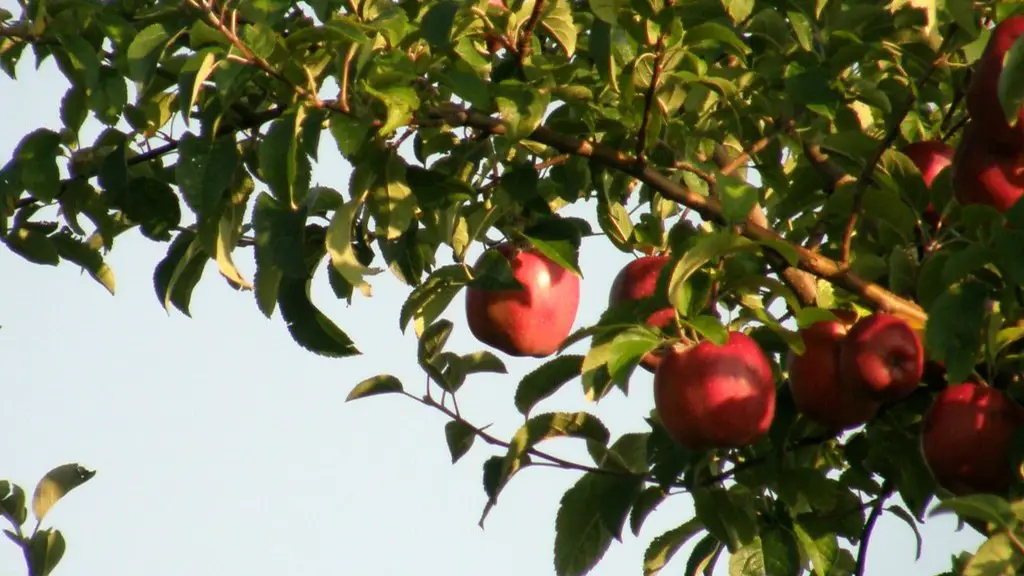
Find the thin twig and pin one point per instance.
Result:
(649, 102)
(876, 511)
(343, 91)
(893, 131)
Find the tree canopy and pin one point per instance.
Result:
(791, 165)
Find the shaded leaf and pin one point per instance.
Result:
(460, 437)
(309, 327)
(545, 380)
(664, 547)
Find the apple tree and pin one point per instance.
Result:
(822, 196)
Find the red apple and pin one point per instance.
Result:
(710, 396)
(818, 390)
(637, 281)
(529, 322)
(982, 94)
(882, 358)
(931, 157)
(966, 438)
(984, 172)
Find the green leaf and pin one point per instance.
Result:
(520, 106)
(664, 547)
(984, 507)
(401, 102)
(152, 204)
(557, 21)
(12, 502)
(581, 533)
(56, 484)
(430, 299)
(709, 327)
(704, 556)
(729, 515)
(908, 518)
(608, 10)
(560, 243)
(997, 556)
(204, 170)
(436, 24)
(350, 134)
(193, 75)
(45, 549)
(339, 247)
(279, 236)
(737, 196)
(773, 552)
(433, 340)
(390, 200)
(627, 349)
(717, 33)
(953, 330)
(309, 327)
(283, 164)
(89, 258)
(380, 384)
(145, 51)
(703, 250)
(820, 547)
(738, 10)
(545, 380)
(178, 273)
(35, 160)
(460, 437)
(33, 245)
(481, 362)
(644, 505)
(1011, 82)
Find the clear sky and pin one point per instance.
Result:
(221, 447)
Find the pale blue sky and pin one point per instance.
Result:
(223, 448)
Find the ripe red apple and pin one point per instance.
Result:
(966, 438)
(982, 94)
(882, 358)
(529, 322)
(985, 172)
(710, 396)
(931, 157)
(819, 391)
(637, 281)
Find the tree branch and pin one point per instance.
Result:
(649, 102)
(526, 35)
(876, 511)
(708, 208)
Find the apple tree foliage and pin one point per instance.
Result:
(778, 123)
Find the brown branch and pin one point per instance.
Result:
(649, 98)
(526, 35)
(708, 208)
(343, 91)
(869, 525)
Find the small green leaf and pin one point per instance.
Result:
(433, 340)
(145, 51)
(381, 384)
(710, 328)
(45, 549)
(729, 515)
(738, 198)
(152, 204)
(390, 201)
(997, 556)
(557, 21)
(12, 502)
(436, 24)
(664, 547)
(178, 273)
(204, 170)
(545, 380)
(401, 102)
(953, 330)
(430, 299)
(984, 507)
(581, 538)
(36, 163)
(717, 33)
(460, 437)
(704, 556)
(820, 547)
(283, 164)
(309, 327)
(481, 362)
(738, 10)
(521, 107)
(56, 484)
(1011, 82)
(706, 248)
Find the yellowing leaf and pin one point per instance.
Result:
(56, 484)
(929, 7)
